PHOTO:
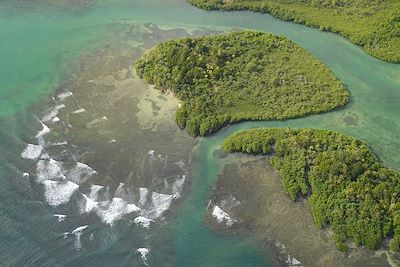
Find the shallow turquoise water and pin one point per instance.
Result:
(35, 52)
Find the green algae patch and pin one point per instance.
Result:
(347, 187)
(240, 76)
(372, 24)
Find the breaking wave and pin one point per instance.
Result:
(144, 252)
(34, 152)
(53, 113)
(222, 217)
(62, 181)
(109, 212)
(59, 192)
(143, 221)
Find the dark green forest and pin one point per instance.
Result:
(372, 24)
(347, 187)
(240, 76)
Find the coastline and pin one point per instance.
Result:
(266, 211)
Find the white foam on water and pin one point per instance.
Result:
(64, 95)
(109, 212)
(55, 119)
(143, 221)
(144, 252)
(61, 217)
(53, 113)
(58, 143)
(48, 170)
(120, 191)
(160, 203)
(79, 229)
(222, 217)
(152, 156)
(79, 174)
(280, 245)
(143, 192)
(34, 152)
(45, 130)
(78, 232)
(94, 191)
(180, 164)
(230, 203)
(293, 262)
(81, 110)
(89, 205)
(57, 193)
(177, 187)
(166, 184)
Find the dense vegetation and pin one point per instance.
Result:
(240, 76)
(346, 185)
(373, 24)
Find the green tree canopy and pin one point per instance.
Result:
(372, 24)
(347, 187)
(240, 76)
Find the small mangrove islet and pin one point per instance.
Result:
(240, 76)
(347, 187)
(372, 24)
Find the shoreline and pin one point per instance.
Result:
(266, 212)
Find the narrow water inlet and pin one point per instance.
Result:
(124, 132)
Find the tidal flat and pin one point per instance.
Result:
(44, 53)
(250, 192)
(105, 156)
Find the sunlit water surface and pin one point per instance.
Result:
(93, 170)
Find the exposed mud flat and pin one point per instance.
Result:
(251, 197)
